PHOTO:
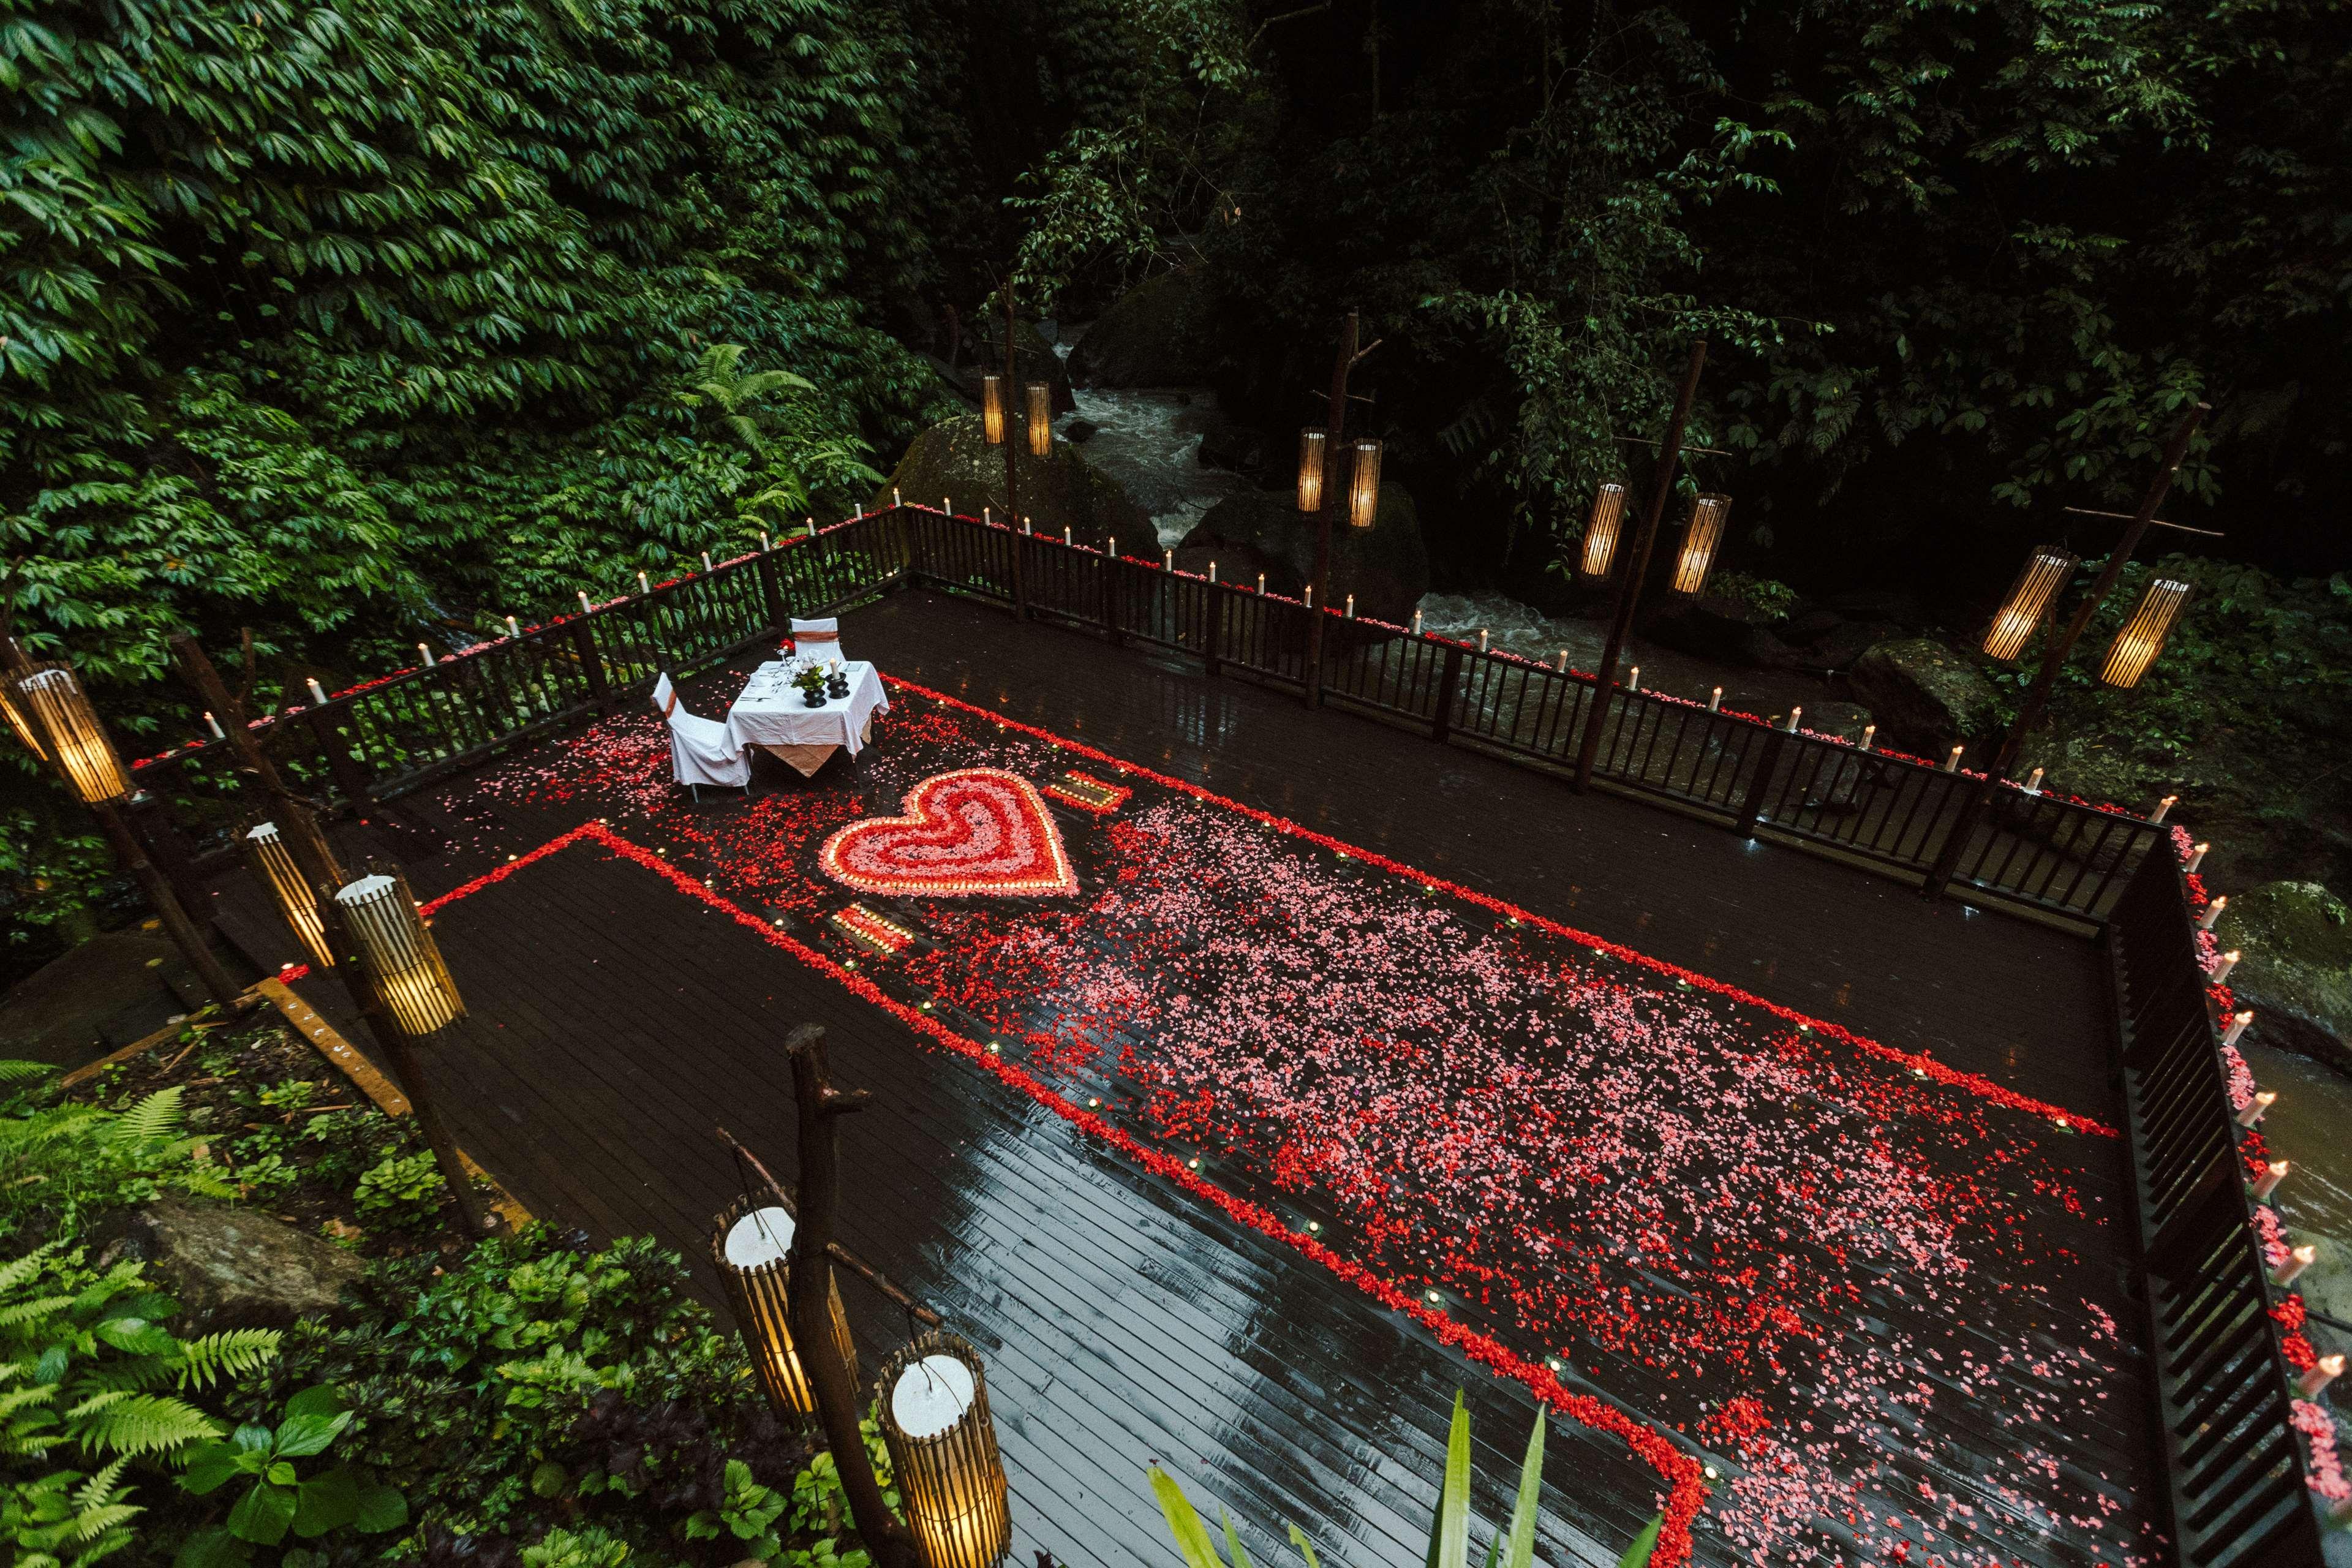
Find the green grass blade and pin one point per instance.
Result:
(1305, 1547)
(1183, 1521)
(1523, 1512)
(1233, 1542)
(1638, 1555)
(1449, 1532)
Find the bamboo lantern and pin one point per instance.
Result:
(2029, 598)
(1364, 487)
(1600, 534)
(1311, 457)
(932, 1406)
(752, 1242)
(61, 714)
(2142, 638)
(991, 408)
(1041, 420)
(404, 961)
(19, 722)
(273, 864)
(1709, 512)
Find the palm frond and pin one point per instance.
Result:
(154, 1119)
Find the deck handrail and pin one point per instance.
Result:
(384, 737)
(2234, 1467)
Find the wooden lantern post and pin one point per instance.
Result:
(1629, 583)
(2037, 697)
(1012, 462)
(1335, 427)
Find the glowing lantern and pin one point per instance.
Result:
(1709, 512)
(1311, 457)
(404, 962)
(1364, 487)
(22, 725)
(752, 1242)
(933, 1409)
(266, 851)
(61, 713)
(991, 408)
(2029, 598)
(1601, 534)
(2142, 638)
(1041, 420)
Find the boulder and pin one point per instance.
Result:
(1843, 720)
(2296, 972)
(233, 1268)
(1839, 647)
(1158, 333)
(1879, 604)
(1926, 696)
(953, 458)
(1033, 360)
(1385, 566)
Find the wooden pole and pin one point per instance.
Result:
(1335, 424)
(314, 857)
(809, 1295)
(1629, 582)
(168, 909)
(1014, 398)
(2053, 657)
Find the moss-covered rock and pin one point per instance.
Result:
(1925, 696)
(1385, 566)
(1157, 334)
(2296, 968)
(953, 459)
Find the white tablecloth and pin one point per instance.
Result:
(770, 711)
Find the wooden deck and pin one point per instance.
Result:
(614, 1021)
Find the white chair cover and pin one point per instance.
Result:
(700, 749)
(820, 640)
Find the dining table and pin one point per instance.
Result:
(771, 714)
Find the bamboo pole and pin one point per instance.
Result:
(1335, 424)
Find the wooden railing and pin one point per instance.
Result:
(2233, 1464)
(2034, 849)
(378, 740)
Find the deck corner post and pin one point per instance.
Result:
(1449, 681)
(771, 592)
(592, 661)
(809, 1294)
(1752, 809)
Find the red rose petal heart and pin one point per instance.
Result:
(973, 831)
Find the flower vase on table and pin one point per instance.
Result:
(810, 682)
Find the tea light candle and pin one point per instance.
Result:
(2238, 1027)
(1110, 546)
(1952, 763)
(894, 497)
(512, 630)
(1027, 524)
(1310, 595)
(1794, 714)
(645, 583)
(2197, 857)
(1869, 732)
(1563, 661)
(764, 545)
(2322, 1372)
(1168, 561)
(1351, 607)
(706, 561)
(583, 601)
(1261, 582)
(426, 654)
(1482, 639)
(1714, 700)
(946, 507)
(2255, 1107)
(2212, 913)
(2162, 807)
(2273, 1174)
(1213, 570)
(2033, 782)
(2298, 1260)
(2221, 969)
(987, 516)
(1065, 533)
(213, 725)
(1634, 679)
(318, 692)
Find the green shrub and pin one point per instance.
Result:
(402, 1190)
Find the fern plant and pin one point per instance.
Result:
(84, 1357)
(58, 1162)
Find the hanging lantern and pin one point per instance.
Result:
(22, 725)
(404, 962)
(61, 714)
(1364, 488)
(273, 864)
(1041, 420)
(1601, 534)
(2142, 638)
(1311, 459)
(933, 1408)
(752, 1242)
(1709, 512)
(2029, 598)
(991, 408)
